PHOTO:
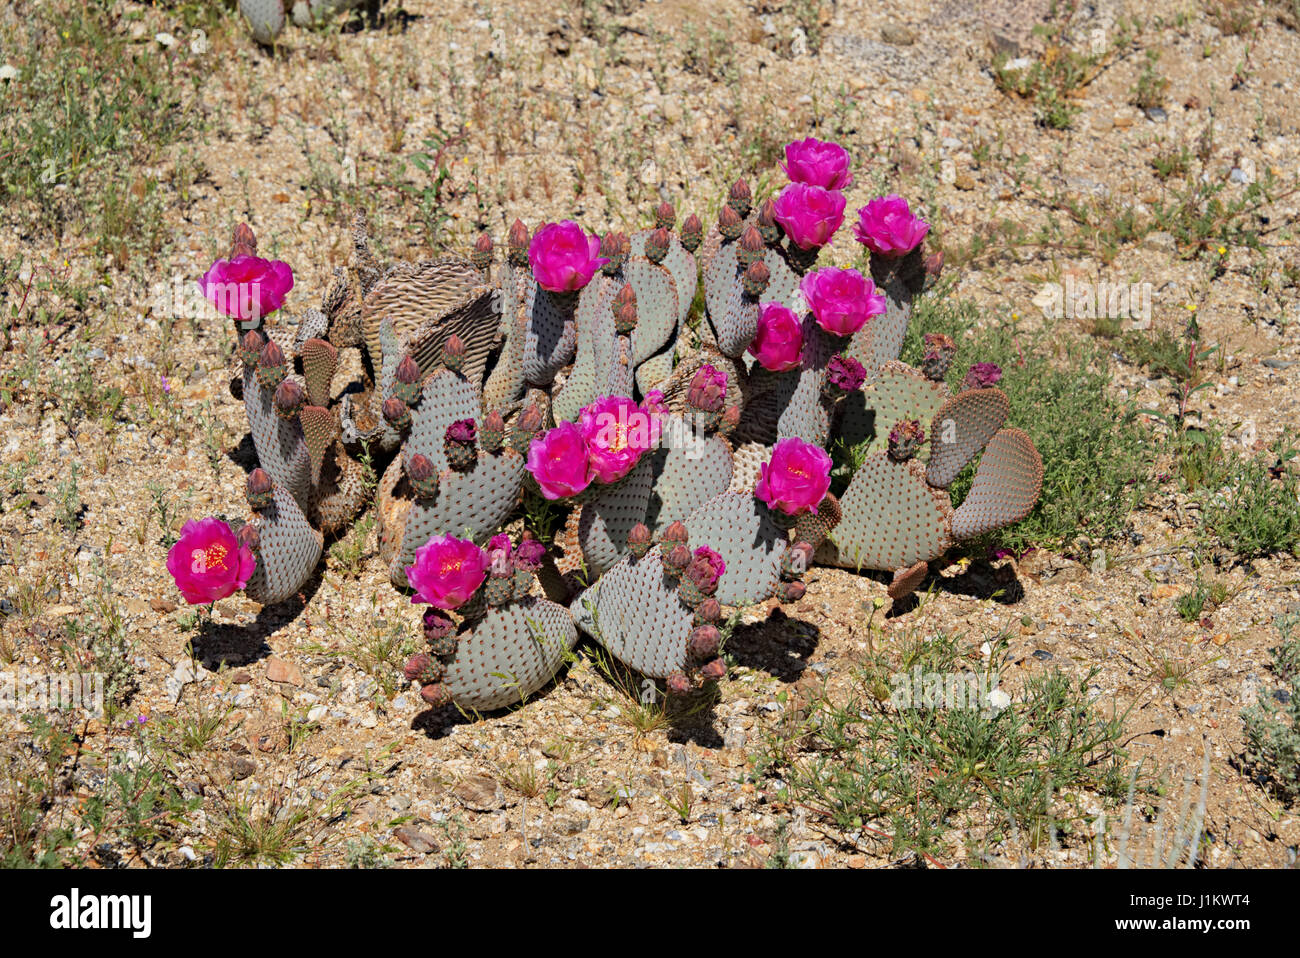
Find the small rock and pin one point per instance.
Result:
(241, 768)
(897, 35)
(283, 673)
(1043, 655)
(1156, 114)
(416, 840)
(1160, 241)
(479, 793)
(162, 606)
(240, 677)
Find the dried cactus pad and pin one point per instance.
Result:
(473, 320)
(892, 518)
(634, 612)
(1006, 487)
(960, 430)
(738, 527)
(509, 654)
(413, 294)
(287, 553)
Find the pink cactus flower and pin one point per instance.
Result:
(563, 257)
(617, 431)
(559, 462)
(446, 572)
(809, 215)
(778, 343)
(247, 288)
(705, 569)
(797, 477)
(816, 162)
(841, 300)
(845, 373)
(982, 376)
(654, 403)
(208, 562)
(887, 226)
(529, 555)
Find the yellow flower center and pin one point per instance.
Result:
(215, 556)
(449, 566)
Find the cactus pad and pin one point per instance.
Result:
(635, 613)
(960, 430)
(509, 654)
(1006, 487)
(892, 518)
(287, 553)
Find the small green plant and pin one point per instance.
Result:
(1258, 511)
(68, 500)
(1273, 727)
(910, 772)
(1149, 92)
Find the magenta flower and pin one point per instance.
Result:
(499, 553)
(530, 554)
(846, 373)
(705, 569)
(778, 343)
(887, 226)
(617, 431)
(247, 288)
(654, 403)
(447, 570)
(563, 257)
(982, 376)
(797, 477)
(841, 300)
(208, 562)
(559, 462)
(809, 215)
(816, 162)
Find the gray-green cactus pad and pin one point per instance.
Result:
(510, 653)
(288, 551)
(892, 518)
(634, 612)
(737, 527)
(960, 430)
(1006, 487)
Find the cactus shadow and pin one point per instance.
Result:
(439, 722)
(981, 580)
(780, 645)
(234, 645)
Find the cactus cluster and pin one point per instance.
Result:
(692, 469)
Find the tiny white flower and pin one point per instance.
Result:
(999, 700)
(9, 72)
(166, 39)
(986, 650)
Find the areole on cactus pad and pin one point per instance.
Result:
(687, 471)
